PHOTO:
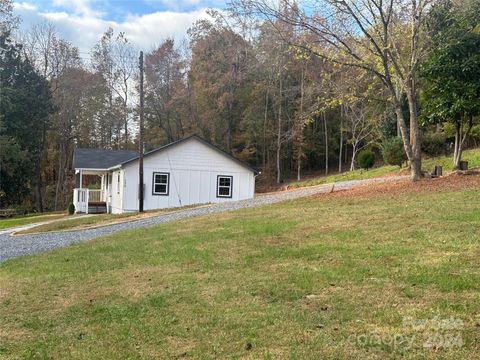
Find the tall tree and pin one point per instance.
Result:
(452, 71)
(25, 102)
(165, 71)
(114, 60)
(387, 39)
(217, 75)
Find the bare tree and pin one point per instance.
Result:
(385, 38)
(361, 128)
(124, 60)
(39, 42)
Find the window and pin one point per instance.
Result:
(118, 183)
(224, 186)
(160, 183)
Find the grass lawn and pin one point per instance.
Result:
(77, 222)
(83, 222)
(28, 219)
(472, 156)
(316, 278)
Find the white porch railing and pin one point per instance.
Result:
(95, 195)
(81, 198)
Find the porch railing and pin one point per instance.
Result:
(95, 195)
(81, 198)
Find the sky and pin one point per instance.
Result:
(145, 22)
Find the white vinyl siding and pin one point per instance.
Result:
(193, 169)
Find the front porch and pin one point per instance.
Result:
(87, 197)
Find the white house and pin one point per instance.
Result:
(185, 172)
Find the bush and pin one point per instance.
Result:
(393, 151)
(366, 159)
(71, 209)
(449, 130)
(434, 144)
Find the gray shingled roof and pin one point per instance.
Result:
(105, 159)
(224, 153)
(100, 158)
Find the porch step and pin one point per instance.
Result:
(97, 207)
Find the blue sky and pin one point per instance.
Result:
(145, 22)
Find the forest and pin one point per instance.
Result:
(291, 87)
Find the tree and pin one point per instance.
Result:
(360, 126)
(386, 39)
(25, 105)
(165, 78)
(14, 165)
(218, 67)
(452, 72)
(113, 59)
(393, 152)
(357, 95)
(8, 22)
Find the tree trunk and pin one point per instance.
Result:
(279, 132)
(341, 142)
(415, 163)
(264, 152)
(415, 135)
(354, 157)
(326, 142)
(299, 168)
(59, 175)
(126, 130)
(460, 141)
(300, 129)
(37, 188)
(456, 147)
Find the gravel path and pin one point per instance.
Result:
(13, 246)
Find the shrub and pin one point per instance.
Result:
(434, 144)
(71, 209)
(366, 159)
(475, 132)
(393, 151)
(449, 130)
(22, 209)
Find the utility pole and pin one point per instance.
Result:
(140, 141)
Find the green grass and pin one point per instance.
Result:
(83, 222)
(472, 156)
(78, 221)
(296, 280)
(28, 219)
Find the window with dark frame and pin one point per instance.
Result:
(224, 186)
(160, 183)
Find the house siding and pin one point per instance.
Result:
(193, 168)
(117, 192)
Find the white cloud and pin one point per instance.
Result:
(84, 27)
(79, 7)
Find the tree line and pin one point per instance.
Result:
(290, 87)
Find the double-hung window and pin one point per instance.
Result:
(160, 183)
(224, 186)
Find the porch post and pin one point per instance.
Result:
(102, 191)
(81, 179)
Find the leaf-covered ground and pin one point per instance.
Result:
(472, 156)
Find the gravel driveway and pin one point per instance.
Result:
(13, 246)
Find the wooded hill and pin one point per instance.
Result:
(288, 89)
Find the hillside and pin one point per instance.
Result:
(322, 277)
(472, 156)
